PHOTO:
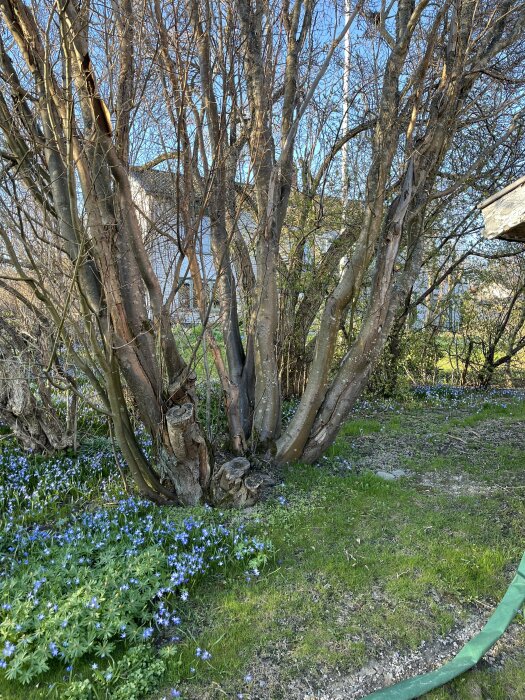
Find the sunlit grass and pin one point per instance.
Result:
(352, 536)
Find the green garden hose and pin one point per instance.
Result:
(471, 652)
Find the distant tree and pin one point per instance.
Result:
(493, 330)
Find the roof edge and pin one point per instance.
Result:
(494, 198)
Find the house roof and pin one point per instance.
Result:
(504, 213)
(501, 193)
(159, 183)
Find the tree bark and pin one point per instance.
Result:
(25, 404)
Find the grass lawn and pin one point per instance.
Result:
(369, 580)
(372, 577)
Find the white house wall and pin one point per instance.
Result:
(162, 231)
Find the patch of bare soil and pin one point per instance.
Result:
(455, 484)
(273, 677)
(389, 668)
(386, 452)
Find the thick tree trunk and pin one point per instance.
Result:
(267, 409)
(187, 463)
(240, 363)
(356, 367)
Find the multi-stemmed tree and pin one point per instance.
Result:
(240, 99)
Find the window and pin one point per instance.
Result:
(185, 295)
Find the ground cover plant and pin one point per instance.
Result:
(89, 587)
(33, 488)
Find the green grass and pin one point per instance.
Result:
(363, 573)
(500, 467)
(360, 426)
(507, 683)
(367, 426)
(361, 563)
(513, 411)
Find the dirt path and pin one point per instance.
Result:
(386, 668)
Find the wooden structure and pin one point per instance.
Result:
(504, 213)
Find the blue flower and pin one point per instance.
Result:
(9, 649)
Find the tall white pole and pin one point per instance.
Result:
(346, 111)
(345, 128)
